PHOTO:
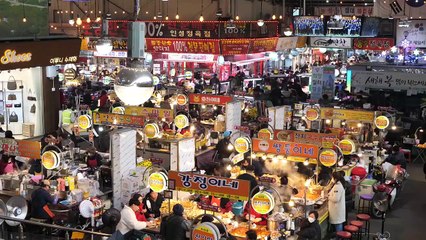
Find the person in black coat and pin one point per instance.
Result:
(175, 226)
(310, 229)
(39, 200)
(153, 202)
(249, 176)
(397, 157)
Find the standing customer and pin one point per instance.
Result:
(337, 202)
(175, 226)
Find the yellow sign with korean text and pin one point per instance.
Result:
(345, 114)
(263, 202)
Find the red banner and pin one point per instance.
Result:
(263, 45)
(209, 99)
(379, 44)
(285, 148)
(235, 46)
(182, 46)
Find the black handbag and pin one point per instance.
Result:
(13, 117)
(11, 97)
(18, 105)
(11, 83)
(33, 108)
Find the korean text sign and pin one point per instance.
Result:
(285, 148)
(209, 185)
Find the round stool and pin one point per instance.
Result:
(365, 203)
(354, 230)
(365, 218)
(343, 235)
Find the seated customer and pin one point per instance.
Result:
(140, 214)
(175, 226)
(310, 229)
(128, 220)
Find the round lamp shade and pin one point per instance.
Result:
(104, 46)
(134, 86)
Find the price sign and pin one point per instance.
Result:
(262, 202)
(382, 122)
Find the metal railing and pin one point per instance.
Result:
(53, 226)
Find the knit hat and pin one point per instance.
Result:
(178, 209)
(227, 133)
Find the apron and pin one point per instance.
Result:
(93, 163)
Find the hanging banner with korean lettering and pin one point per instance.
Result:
(209, 99)
(330, 42)
(263, 45)
(319, 139)
(344, 10)
(328, 76)
(344, 114)
(181, 29)
(379, 44)
(182, 46)
(317, 83)
(416, 33)
(22, 148)
(285, 148)
(209, 185)
(150, 113)
(388, 80)
(118, 120)
(235, 46)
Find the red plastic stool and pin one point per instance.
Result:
(354, 230)
(343, 235)
(365, 218)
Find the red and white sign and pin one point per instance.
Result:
(165, 45)
(209, 99)
(379, 44)
(190, 57)
(235, 46)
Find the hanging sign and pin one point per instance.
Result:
(262, 202)
(311, 113)
(84, 121)
(50, 160)
(265, 134)
(205, 231)
(151, 130)
(70, 74)
(344, 114)
(377, 44)
(330, 42)
(118, 120)
(181, 121)
(347, 146)
(157, 182)
(182, 46)
(209, 99)
(388, 80)
(220, 187)
(328, 157)
(181, 99)
(242, 144)
(263, 45)
(151, 113)
(381, 122)
(319, 139)
(235, 46)
(118, 110)
(285, 148)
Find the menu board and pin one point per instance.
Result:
(285, 148)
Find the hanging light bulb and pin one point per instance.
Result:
(229, 167)
(237, 18)
(274, 17)
(24, 19)
(306, 162)
(155, 17)
(71, 22)
(88, 20)
(201, 18)
(260, 23)
(281, 16)
(98, 19)
(167, 17)
(79, 22)
(230, 147)
(177, 16)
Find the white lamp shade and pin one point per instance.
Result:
(134, 86)
(104, 46)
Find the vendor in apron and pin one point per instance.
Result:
(40, 199)
(93, 159)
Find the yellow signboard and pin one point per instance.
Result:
(344, 114)
(150, 112)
